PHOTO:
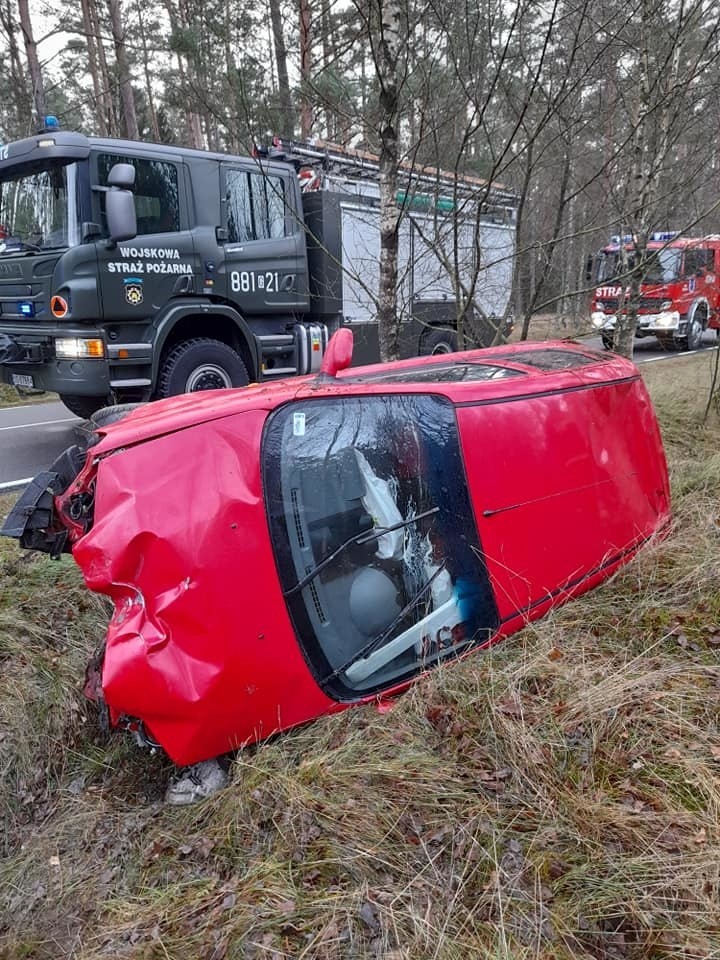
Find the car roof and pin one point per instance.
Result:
(489, 375)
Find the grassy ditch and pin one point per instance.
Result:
(556, 798)
(9, 397)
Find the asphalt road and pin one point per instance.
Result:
(31, 437)
(647, 348)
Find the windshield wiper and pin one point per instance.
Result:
(359, 538)
(383, 637)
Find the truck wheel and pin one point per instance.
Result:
(608, 342)
(83, 407)
(438, 341)
(693, 339)
(200, 364)
(87, 432)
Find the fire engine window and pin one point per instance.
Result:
(255, 206)
(698, 261)
(374, 537)
(156, 195)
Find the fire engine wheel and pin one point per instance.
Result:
(608, 342)
(693, 338)
(438, 341)
(200, 364)
(83, 407)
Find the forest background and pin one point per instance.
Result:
(601, 116)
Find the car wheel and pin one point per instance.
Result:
(439, 341)
(201, 364)
(83, 407)
(607, 342)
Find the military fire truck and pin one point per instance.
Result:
(130, 270)
(680, 296)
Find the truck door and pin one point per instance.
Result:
(138, 277)
(265, 265)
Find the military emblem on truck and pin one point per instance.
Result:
(133, 291)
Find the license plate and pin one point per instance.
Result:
(22, 380)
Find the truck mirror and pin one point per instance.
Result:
(122, 175)
(120, 211)
(589, 268)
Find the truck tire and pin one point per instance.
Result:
(438, 341)
(693, 337)
(83, 407)
(200, 364)
(608, 342)
(87, 432)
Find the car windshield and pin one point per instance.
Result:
(38, 210)
(374, 536)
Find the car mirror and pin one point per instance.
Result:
(339, 353)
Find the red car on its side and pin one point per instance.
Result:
(279, 552)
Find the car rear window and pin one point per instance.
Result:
(374, 537)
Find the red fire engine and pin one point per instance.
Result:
(680, 297)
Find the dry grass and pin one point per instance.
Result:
(9, 397)
(555, 798)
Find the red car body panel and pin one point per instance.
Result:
(566, 477)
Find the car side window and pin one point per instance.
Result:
(157, 202)
(374, 536)
(255, 204)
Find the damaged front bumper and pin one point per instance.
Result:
(49, 516)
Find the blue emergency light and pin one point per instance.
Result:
(26, 309)
(664, 237)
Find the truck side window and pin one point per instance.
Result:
(255, 206)
(156, 192)
(697, 261)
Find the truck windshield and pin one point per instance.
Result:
(662, 266)
(38, 210)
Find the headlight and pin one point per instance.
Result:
(75, 348)
(666, 304)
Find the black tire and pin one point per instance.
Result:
(693, 337)
(438, 341)
(200, 364)
(607, 342)
(87, 432)
(83, 407)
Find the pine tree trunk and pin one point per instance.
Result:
(127, 96)
(286, 110)
(94, 67)
(306, 117)
(154, 125)
(32, 59)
